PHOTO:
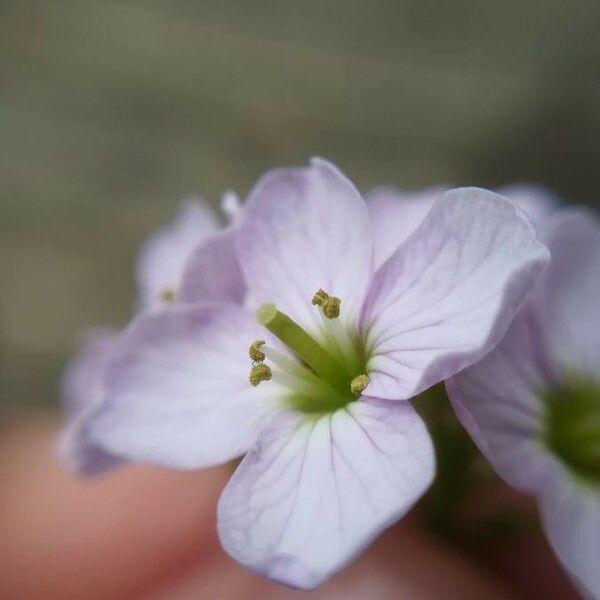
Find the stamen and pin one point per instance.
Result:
(300, 342)
(358, 384)
(167, 295)
(330, 305)
(255, 353)
(319, 296)
(260, 372)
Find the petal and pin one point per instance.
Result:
(569, 292)
(537, 201)
(448, 294)
(163, 256)
(395, 214)
(231, 206)
(497, 401)
(212, 272)
(305, 229)
(315, 490)
(179, 393)
(82, 390)
(571, 518)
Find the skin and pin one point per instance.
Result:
(149, 532)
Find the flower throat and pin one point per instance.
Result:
(573, 426)
(326, 375)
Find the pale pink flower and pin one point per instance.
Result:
(333, 451)
(533, 404)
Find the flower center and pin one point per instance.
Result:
(573, 426)
(322, 375)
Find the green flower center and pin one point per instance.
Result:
(324, 374)
(573, 426)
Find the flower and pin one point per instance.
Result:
(533, 404)
(161, 264)
(308, 376)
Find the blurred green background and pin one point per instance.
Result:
(110, 112)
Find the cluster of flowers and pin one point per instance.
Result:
(296, 335)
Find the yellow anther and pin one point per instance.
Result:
(255, 352)
(329, 304)
(331, 307)
(358, 384)
(167, 294)
(319, 297)
(260, 372)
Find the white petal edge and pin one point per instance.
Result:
(445, 298)
(314, 490)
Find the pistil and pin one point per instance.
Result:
(304, 346)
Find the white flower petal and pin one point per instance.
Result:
(179, 393)
(212, 272)
(82, 391)
(497, 401)
(316, 489)
(303, 229)
(448, 294)
(568, 296)
(571, 517)
(537, 201)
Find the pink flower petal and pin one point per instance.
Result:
(305, 229)
(163, 256)
(395, 214)
(212, 272)
(315, 490)
(537, 201)
(179, 393)
(571, 518)
(568, 297)
(449, 293)
(498, 401)
(82, 388)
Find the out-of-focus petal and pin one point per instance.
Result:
(395, 214)
(568, 297)
(448, 294)
(315, 490)
(163, 256)
(179, 393)
(303, 229)
(231, 206)
(571, 518)
(212, 272)
(537, 201)
(498, 401)
(82, 388)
